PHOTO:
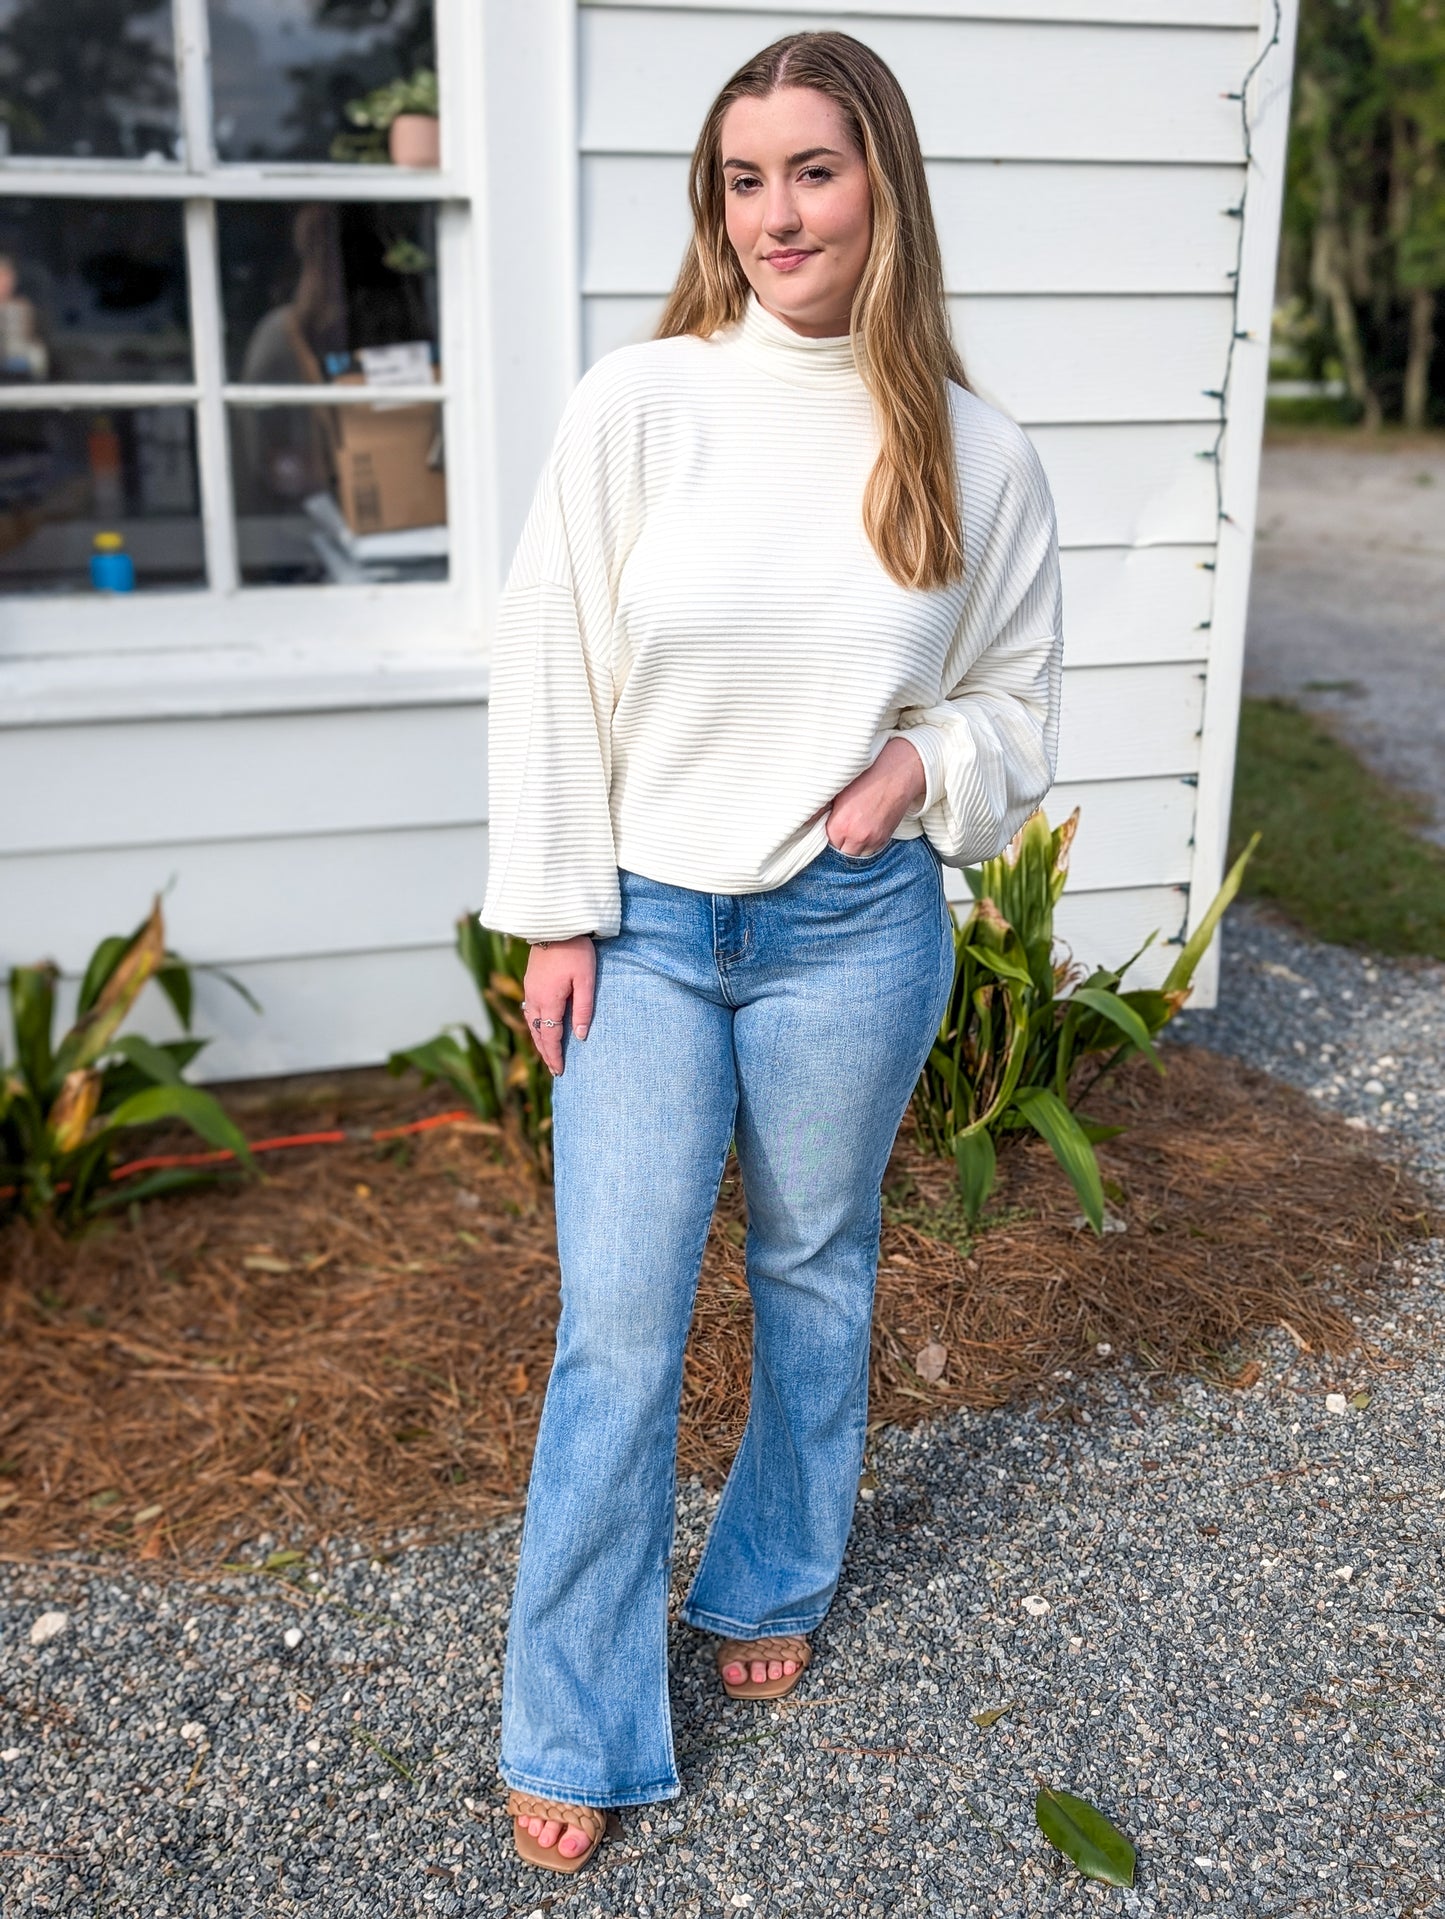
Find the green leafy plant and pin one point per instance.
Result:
(64, 1106)
(374, 112)
(501, 1077)
(1083, 1834)
(1013, 1034)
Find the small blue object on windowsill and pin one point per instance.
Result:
(111, 567)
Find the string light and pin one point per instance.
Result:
(1236, 332)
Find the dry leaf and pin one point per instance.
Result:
(155, 1544)
(1359, 1401)
(931, 1361)
(518, 1381)
(266, 1263)
(983, 1720)
(147, 1514)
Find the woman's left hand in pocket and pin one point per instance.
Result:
(864, 815)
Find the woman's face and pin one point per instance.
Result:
(799, 208)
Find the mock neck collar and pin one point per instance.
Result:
(772, 344)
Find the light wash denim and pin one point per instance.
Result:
(796, 1020)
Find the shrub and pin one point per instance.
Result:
(63, 1108)
(501, 1077)
(1012, 1036)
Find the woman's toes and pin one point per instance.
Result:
(735, 1674)
(573, 1841)
(790, 1666)
(760, 1671)
(775, 1669)
(549, 1835)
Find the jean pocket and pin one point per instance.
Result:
(863, 859)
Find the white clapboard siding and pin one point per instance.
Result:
(335, 892)
(979, 89)
(324, 827)
(160, 781)
(1003, 227)
(1063, 359)
(348, 1009)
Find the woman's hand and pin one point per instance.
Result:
(864, 814)
(558, 970)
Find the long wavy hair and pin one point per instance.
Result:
(899, 327)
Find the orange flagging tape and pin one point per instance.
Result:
(162, 1162)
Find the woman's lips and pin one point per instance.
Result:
(786, 261)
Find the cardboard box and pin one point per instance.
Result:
(389, 469)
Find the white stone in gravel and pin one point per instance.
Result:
(1344, 1572)
(1374, 1086)
(193, 1729)
(1336, 1403)
(10, 1755)
(292, 1637)
(50, 1625)
(1035, 1605)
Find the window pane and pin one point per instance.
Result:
(92, 291)
(305, 287)
(339, 493)
(67, 476)
(283, 71)
(88, 79)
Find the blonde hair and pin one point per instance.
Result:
(899, 321)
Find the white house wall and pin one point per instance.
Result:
(1082, 159)
(321, 827)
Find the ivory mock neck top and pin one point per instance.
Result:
(697, 647)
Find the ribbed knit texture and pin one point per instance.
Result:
(697, 646)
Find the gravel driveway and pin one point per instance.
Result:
(1218, 1615)
(1231, 1643)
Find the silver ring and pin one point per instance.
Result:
(544, 1022)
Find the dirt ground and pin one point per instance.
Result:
(1347, 600)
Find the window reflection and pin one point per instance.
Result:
(284, 70)
(67, 477)
(305, 287)
(88, 79)
(92, 291)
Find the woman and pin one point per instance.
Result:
(782, 634)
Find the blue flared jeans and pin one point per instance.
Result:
(793, 1023)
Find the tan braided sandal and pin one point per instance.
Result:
(744, 1651)
(525, 1805)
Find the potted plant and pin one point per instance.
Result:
(398, 122)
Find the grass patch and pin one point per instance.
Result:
(1341, 851)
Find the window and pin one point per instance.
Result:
(232, 317)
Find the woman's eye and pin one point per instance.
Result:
(741, 180)
(818, 173)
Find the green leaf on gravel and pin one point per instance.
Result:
(1360, 1401)
(983, 1720)
(1083, 1834)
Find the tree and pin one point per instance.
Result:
(1364, 239)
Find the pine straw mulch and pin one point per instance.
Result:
(360, 1343)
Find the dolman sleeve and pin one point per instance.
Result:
(551, 862)
(989, 746)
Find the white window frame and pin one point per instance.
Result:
(362, 625)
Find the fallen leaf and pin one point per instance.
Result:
(518, 1380)
(266, 1263)
(362, 1190)
(983, 1720)
(101, 1502)
(931, 1361)
(147, 1514)
(155, 1543)
(1083, 1834)
(1246, 1377)
(1359, 1401)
